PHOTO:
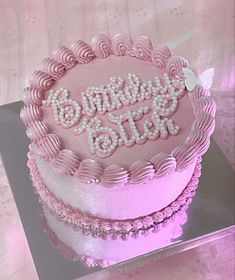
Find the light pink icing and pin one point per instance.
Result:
(160, 56)
(198, 92)
(101, 45)
(140, 172)
(163, 163)
(66, 162)
(33, 95)
(37, 131)
(122, 44)
(184, 156)
(48, 147)
(142, 47)
(83, 52)
(65, 56)
(89, 171)
(175, 64)
(200, 140)
(53, 68)
(114, 175)
(30, 113)
(204, 122)
(41, 79)
(206, 104)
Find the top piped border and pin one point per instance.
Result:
(67, 162)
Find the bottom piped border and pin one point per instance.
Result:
(90, 261)
(107, 226)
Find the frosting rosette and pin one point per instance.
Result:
(140, 172)
(89, 171)
(205, 104)
(198, 92)
(30, 113)
(185, 155)
(114, 175)
(101, 45)
(175, 64)
(53, 68)
(41, 79)
(83, 52)
(66, 162)
(48, 147)
(200, 140)
(204, 122)
(122, 44)
(65, 56)
(142, 47)
(163, 164)
(160, 56)
(32, 95)
(37, 131)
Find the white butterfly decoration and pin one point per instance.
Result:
(205, 79)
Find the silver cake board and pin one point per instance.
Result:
(211, 210)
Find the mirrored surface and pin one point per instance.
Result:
(212, 208)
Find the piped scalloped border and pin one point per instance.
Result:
(91, 261)
(107, 226)
(69, 253)
(67, 162)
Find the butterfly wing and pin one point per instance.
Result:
(206, 78)
(191, 79)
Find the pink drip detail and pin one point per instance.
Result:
(76, 218)
(160, 56)
(122, 44)
(164, 164)
(175, 64)
(114, 176)
(66, 162)
(48, 147)
(140, 172)
(83, 52)
(205, 104)
(142, 47)
(101, 44)
(89, 171)
(65, 56)
(33, 95)
(53, 68)
(41, 79)
(37, 131)
(184, 155)
(30, 113)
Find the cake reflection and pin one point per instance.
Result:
(100, 249)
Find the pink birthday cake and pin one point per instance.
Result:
(118, 128)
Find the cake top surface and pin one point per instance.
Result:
(117, 110)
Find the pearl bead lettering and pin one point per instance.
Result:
(67, 112)
(103, 140)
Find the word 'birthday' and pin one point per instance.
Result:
(103, 140)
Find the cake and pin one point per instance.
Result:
(118, 128)
(94, 249)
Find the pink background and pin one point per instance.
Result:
(202, 31)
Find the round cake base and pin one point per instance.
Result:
(107, 226)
